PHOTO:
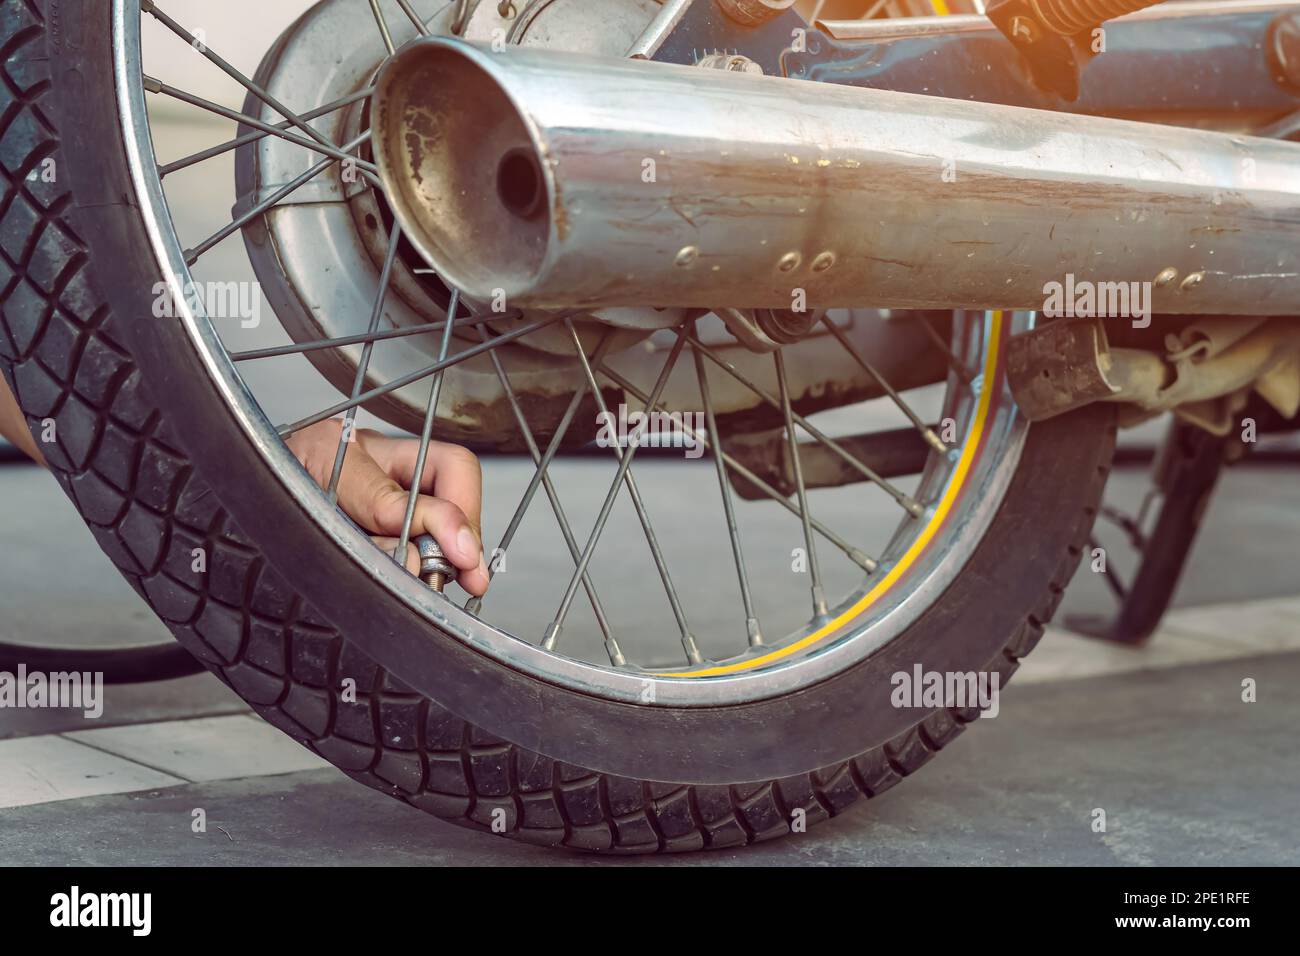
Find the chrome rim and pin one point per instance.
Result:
(939, 523)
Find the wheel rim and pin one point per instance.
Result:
(959, 491)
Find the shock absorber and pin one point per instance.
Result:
(1068, 17)
(1058, 37)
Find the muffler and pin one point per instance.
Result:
(559, 180)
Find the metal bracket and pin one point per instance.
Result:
(704, 30)
(1058, 367)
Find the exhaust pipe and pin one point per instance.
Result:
(560, 180)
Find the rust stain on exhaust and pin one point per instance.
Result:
(559, 215)
(494, 422)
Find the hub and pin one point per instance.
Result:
(319, 253)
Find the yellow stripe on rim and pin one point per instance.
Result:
(940, 7)
(955, 484)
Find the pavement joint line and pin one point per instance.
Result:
(49, 769)
(146, 756)
(134, 760)
(201, 748)
(105, 722)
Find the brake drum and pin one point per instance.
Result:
(319, 252)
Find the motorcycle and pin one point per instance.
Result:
(910, 270)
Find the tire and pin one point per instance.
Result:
(158, 468)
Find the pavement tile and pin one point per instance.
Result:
(207, 748)
(1187, 636)
(1271, 624)
(44, 769)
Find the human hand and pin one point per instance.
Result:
(377, 471)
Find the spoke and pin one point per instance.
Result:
(317, 345)
(413, 17)
(611, 645)
(625, 463)
(148, 6)
(458, 19)
(856, 555)
(405, 380)
(192, 255)
(926, 431)
(1284, 128)
(688, 641)
(954, 363)
(911, 506)
(728, 506)
(349, 420)
(814, 566)
(211, 151)
(383, 26)
(474, 605)
(430, 413)
(155, 86)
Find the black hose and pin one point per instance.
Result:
(119, 665)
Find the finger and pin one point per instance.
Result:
(316, 446)
(450, 471)
(389, 545)
(368, 496)
(474, 582)
(379, 503)
(435, 516)
(450, 528)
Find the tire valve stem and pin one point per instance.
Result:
(435, 570)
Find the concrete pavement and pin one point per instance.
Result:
(1158, 737)
(1186, 772)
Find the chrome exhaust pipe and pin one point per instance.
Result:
(558, 180)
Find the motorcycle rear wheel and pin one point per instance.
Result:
(153, 452)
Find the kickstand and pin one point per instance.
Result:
(1185, 474)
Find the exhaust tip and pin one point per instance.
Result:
(521, 186)
(461, 169)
